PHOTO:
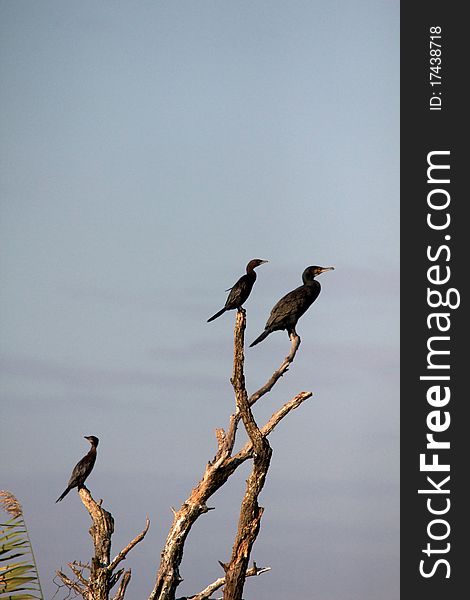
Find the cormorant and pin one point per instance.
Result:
(83, 468)
(293, 305)
(241, 290)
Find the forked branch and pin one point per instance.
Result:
(250, 511)
(102, 575)
(216, 474)
(267, 387)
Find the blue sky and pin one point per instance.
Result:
(149, 150)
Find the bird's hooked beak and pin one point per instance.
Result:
(323, 269)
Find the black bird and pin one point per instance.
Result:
(241, 290)
(293, 305)
(83, 468)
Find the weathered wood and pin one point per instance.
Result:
(101, 531)
(264, 389)
(217, 472)
(102, 577)
(207, 592)
(250, 511)
(123, 586)
(125, 551)
(168, 576)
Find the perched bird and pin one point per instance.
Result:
(241, 290)
(293, 305)
(83, 468)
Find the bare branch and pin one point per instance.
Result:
(250, 511)
(218, 583)
(246, 451)
(220, 435)
(221, 468)
(72, 585)
(102, 528)
(209, 590)
(102, 577)
(122, 555)
(115, 577)
(77, 570)
(284, 411)
(238, 383)
(123, 585)
(232, 432)
(267, 387)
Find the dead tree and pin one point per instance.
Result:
(217, 472)
(96, 580)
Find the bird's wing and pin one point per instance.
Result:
(239, 292)
(234, 296)
(292, 306)
(82, 469)
(284, 308)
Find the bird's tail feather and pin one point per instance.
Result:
(62, 496)
(260, 338)
(217, 314)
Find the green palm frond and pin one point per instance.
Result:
(19, 579)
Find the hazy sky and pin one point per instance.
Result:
(148, 150)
